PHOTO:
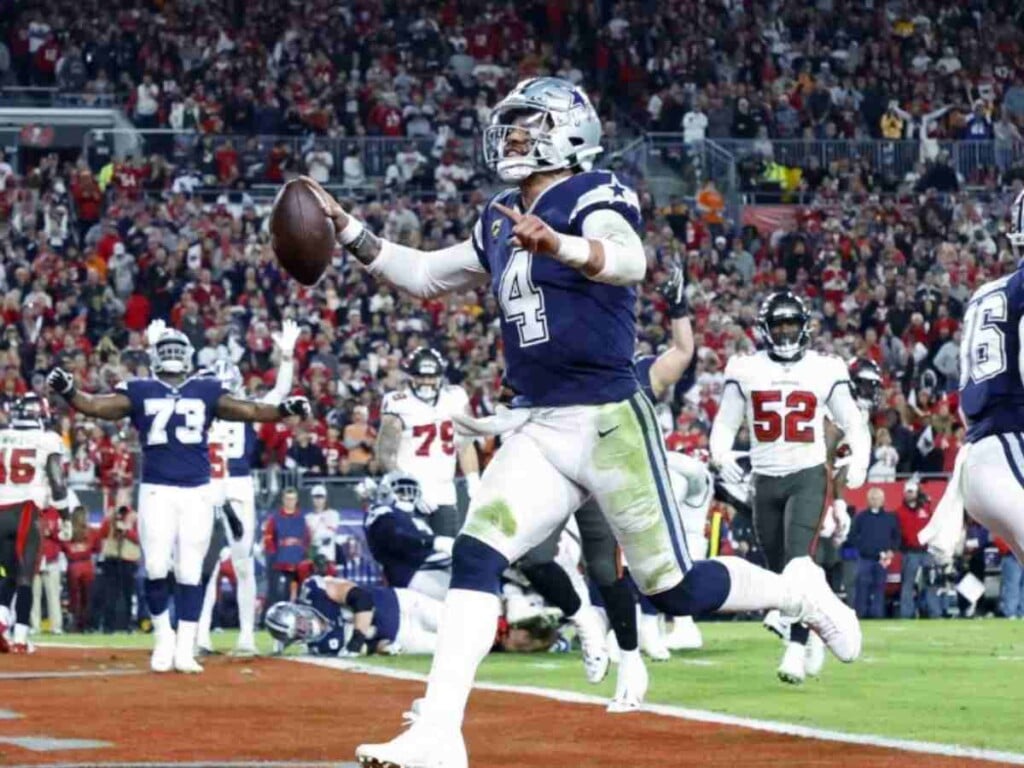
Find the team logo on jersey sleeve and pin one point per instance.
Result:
(495, 229)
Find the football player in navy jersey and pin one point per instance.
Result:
(561, 251)
(988, 477)
(233, 445)
(402, 541)
(172, 413)
(336, 617)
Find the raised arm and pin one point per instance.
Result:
(285, 342)
(106, 407)
(388, 440)
(234, 409)
(671, 364)
(424, 274)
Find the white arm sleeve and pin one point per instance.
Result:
(851, 419)
(625, 262)
(282, 384)
(426, 274)
(728, 420)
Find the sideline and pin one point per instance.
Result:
(697, 715)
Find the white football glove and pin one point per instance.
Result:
(285, 338)
(729, 469)
(154, 330)
(842, 521)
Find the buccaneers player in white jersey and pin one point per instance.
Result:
(417, 436)
(783, 393)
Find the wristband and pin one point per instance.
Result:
(574, 251)
(351, 232)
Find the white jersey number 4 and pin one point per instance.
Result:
(983, 352)
(521, 302)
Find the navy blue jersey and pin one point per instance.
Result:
(991, 392)
(402, 544)
(567, 339)
(643, 376)
(173, 423)
(386, 616)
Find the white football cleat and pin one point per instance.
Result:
(162, 659)
(792, 669)
(814, 655)
(591, 633)
(245, 651)
(631, 684)
(777, 624)
(651, 642)
(685, 635)
(187, 665)
(823, 611)
(421, 746)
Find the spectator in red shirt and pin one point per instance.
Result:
(79, 552)
(914, 514)
(48, 577)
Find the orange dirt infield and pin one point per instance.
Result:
(274, 710)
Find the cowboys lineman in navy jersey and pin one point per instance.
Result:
(172, 413)
(562, 254)
(988, 476)
(402, 541)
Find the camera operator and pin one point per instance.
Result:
(121, 554)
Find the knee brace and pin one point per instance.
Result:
(476, 566)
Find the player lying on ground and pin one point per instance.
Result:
(31, 479)
(172, 412)
(562, 253)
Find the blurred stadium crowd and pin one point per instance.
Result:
(91, 251)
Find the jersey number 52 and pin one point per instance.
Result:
(789, 419)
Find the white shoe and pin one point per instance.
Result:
(631, 684)
(651, 642)
(777, 624)
(814, 655)
(162, 659)
(823, 611)
(792, 669)
(187, 665)
(421, 746)
(685, 635)
(591, 633)
(241, 651)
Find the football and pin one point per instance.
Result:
(300, 234)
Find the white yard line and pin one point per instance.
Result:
(701, 716)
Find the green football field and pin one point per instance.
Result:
(955, 682)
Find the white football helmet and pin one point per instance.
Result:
(1016, 233)
(228, 374)
(562, 124)
(172, 352)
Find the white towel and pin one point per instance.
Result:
(503, 421)
(942, 533)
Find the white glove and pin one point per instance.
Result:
(729, 469)
(856, 474)
(842, 519)
(504, 420)
(285, 338)
(154, 330)
(444, 544)
(828, 524)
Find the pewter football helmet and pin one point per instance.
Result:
(563, 127)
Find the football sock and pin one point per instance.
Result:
(157, 595)
(23, 604)
(554, 585)
(798, 633)
(188, 599)
(206, 615)
(245, 574)
(751, 588)
(185, 646)
(465, 636)
(621, 610)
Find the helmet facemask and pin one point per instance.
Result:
(407, 495)
(867, 391)
(296, 623)
(426, 388)
(172, 354)
(518, 144)
(785, 337)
